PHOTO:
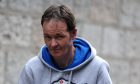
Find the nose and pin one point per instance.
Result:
(53, 43)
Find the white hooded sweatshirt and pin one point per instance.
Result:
(87, 68)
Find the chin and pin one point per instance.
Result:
(56, 54)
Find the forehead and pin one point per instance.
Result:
(55, 24)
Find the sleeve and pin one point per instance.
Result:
(26, 76)
(103, 74)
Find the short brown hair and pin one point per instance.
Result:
(61, 13)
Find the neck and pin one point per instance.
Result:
(67, 59)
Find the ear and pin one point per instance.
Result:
(74, 33)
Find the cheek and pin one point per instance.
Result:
(66, 46)
(66, 42)
(47, 43)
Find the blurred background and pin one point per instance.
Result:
(112, 26)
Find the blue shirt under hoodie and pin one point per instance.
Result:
(87, 68)
(82, 53)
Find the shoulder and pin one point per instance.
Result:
(34, 63)
(99, 62)
(28, 67)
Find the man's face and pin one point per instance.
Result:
(57, 38)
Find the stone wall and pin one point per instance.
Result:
(112, 26)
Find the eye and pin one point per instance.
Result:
(47, 37)
(59, 37)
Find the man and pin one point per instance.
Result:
(65, 59)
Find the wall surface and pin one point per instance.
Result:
(112, 26)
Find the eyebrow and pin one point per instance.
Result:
(60, 33)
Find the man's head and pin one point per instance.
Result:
(60, 13)
(58, 24)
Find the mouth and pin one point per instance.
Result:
(56, 50)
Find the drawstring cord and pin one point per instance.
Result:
(50, 76)
(70, 77)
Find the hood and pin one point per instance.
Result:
(84, 53)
